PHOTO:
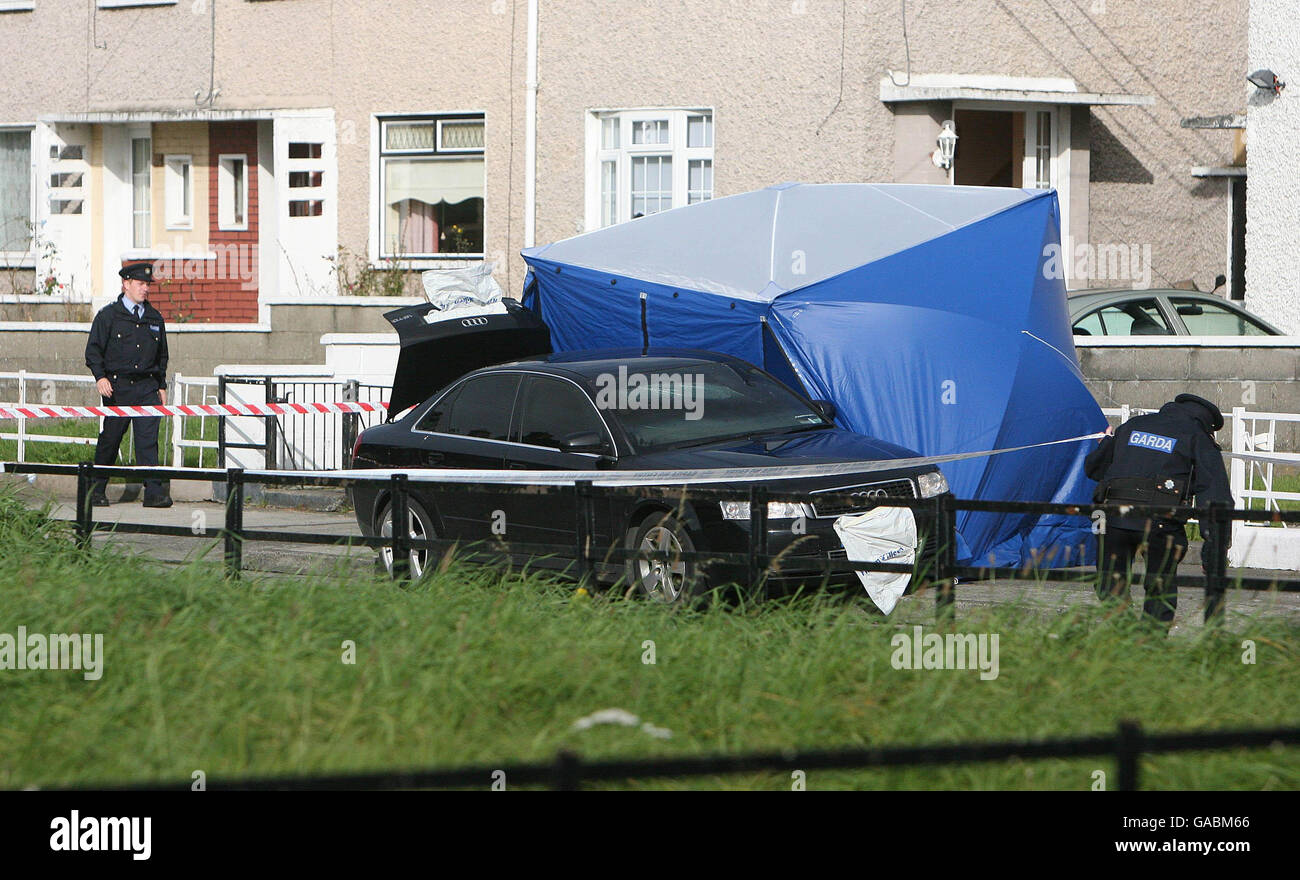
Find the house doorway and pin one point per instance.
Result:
(990, 148)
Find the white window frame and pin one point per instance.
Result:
(24, 259)
(226, 193)
(378, 156)
(622, 156)
(178, 190)
(17, 5)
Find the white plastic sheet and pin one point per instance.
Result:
(884, 534)
(452, 288)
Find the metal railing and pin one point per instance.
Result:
(300, 441)
(936, 563)
(1128, 745)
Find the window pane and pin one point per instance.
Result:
(700, 184)
(140, 159)
(462, 135)
(15, 190)
(483, 407)
(433, 206)
(609, 133)
(240, 176)
(185, 189)
(438, 416)
(1208, 319)
(608, 193)
(1043, 152)
(1089, 325)
(652, 184)
(1135, 319)
(650, 131)
(699, 131)
(555, 410)
(303, 150)
(411, 136)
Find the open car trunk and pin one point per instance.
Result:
(439, 346)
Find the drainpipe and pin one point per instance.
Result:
(530, 131)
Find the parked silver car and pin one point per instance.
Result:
(1161, 312)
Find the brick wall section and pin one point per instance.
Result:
(224, 290)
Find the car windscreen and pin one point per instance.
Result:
(701, 402)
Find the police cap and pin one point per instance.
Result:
(1216, 417)
(137, 272)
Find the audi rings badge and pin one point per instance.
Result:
(473, 322)
(870, 493)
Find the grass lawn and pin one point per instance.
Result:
(480, 666)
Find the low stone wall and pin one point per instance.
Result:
(1260, 376)
(53, 345)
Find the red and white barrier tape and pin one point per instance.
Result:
(14, 411)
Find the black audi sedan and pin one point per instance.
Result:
(628, 411)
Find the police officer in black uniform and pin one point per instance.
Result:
(1164, 458)
(127, 353)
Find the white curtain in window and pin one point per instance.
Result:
(15, 189)
(433, 180)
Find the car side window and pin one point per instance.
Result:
(1211, 319)
(482, 407)
(1089, 325)
(437, 417)
(552, 409)
(1137, 318)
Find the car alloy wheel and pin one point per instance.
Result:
(420, 528)
(666, 580)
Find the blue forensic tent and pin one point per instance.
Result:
(923, 312)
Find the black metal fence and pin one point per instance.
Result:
(937, 566)
(568, 772)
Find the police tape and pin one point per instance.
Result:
(15, 411)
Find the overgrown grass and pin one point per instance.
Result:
(70, 453)
(480, 666)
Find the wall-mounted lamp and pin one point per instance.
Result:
(947, 145)
(1266, 80)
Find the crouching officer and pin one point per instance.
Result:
(1164, 458)
(127, 354)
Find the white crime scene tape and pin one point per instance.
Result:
(15, 411)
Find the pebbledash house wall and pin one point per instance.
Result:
(222, 289)
(1273, 166)
(794, 86)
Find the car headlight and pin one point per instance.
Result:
(931, 485)
(775, 510)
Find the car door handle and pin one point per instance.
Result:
(433, 458)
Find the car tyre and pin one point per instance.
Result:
(420, 528)
(675, 579)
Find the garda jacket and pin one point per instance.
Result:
(121, 344)
(1164, 458)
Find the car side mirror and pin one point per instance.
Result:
(827, 409)
(583, 441)
(1219, 281)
